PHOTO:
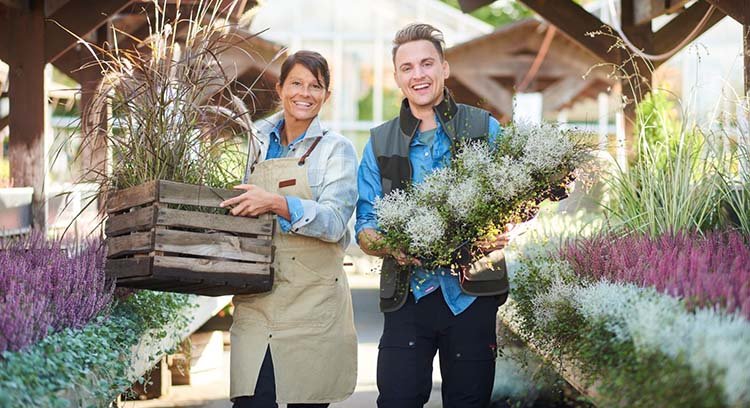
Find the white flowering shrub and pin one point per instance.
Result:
(711, 344)
(484, 188)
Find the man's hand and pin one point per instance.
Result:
(492, 243)
(370, 242)
(256, 201)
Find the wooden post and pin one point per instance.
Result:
(638, 74)
(746, 41)
(28, 158)
(94, 148)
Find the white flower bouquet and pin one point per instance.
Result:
(484, 188)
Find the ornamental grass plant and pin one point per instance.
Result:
(176, 113)
(46, 287)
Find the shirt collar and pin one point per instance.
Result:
(446, 110)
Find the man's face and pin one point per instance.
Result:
(420, 73)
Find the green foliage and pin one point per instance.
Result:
(658, 124)
(498, 13)
(391, 104)
(93, 360)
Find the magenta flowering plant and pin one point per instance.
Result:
(46, 286)
(705, 270)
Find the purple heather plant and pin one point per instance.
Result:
(713, 269)
(46, 287)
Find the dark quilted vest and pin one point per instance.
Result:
(390, 144)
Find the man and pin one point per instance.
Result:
(428, 310)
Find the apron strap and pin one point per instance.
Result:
(309, 151)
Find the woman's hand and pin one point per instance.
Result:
(256, 201)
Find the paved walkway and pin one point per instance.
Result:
(210, 389)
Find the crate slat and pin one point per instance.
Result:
(132, 197)
(190, 219)
(171, 192)
(129, 267)
(213, 245)
(163, 265)
(136, 243)
(137, 220)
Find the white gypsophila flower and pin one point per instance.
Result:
(393, 210)
(508, 178)
(425, 228)
(433, 190)
(463, 197)
(546, 146)
(713, 342)
(547, 303)
(476, 157)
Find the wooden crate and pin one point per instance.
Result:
(153, 245)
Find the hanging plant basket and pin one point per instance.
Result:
(157, 239)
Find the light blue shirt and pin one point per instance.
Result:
(275, 151)
(428, 151)
(331, 174)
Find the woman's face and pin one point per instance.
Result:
(302, 94)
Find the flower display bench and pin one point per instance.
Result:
(157, 240)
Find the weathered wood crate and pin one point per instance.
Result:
(153, 245)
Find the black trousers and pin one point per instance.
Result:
(265, 390)
(411, 337)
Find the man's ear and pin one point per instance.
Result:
(278, 89)
(328, 96)
(446, 69)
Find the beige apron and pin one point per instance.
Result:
(306, 319)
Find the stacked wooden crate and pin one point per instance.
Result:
(156, 239)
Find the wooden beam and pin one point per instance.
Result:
(93, 154)
(28, 104)
(563, 91)
(670, 35)
(489, 91)
(4, 23)
(647, 10)
(737, 9)
(79, 17)
(575, 22)
(4, 121)
(16, 4)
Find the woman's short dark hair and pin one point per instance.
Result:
(311, 60)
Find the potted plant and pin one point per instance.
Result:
(175, 117)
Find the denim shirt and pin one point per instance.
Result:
(275, 151)
(331, 173)
(427, 152)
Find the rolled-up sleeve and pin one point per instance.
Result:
(327, 217)
(370, 188)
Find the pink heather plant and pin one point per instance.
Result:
(45, 288)
(704, 270)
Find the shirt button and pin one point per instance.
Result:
(426, 154)
(411, 344)
(458, 355)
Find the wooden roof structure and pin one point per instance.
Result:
(635, 27)
(486, 71)
(32, 35)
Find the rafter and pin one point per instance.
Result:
(575, 22)
(557, 95)
(79, 17)
(737, 9)
(490, 91)
(676, 30)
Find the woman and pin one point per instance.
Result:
(296, 344)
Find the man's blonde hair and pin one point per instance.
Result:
(416, 32)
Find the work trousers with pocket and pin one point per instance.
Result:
(467, 348)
